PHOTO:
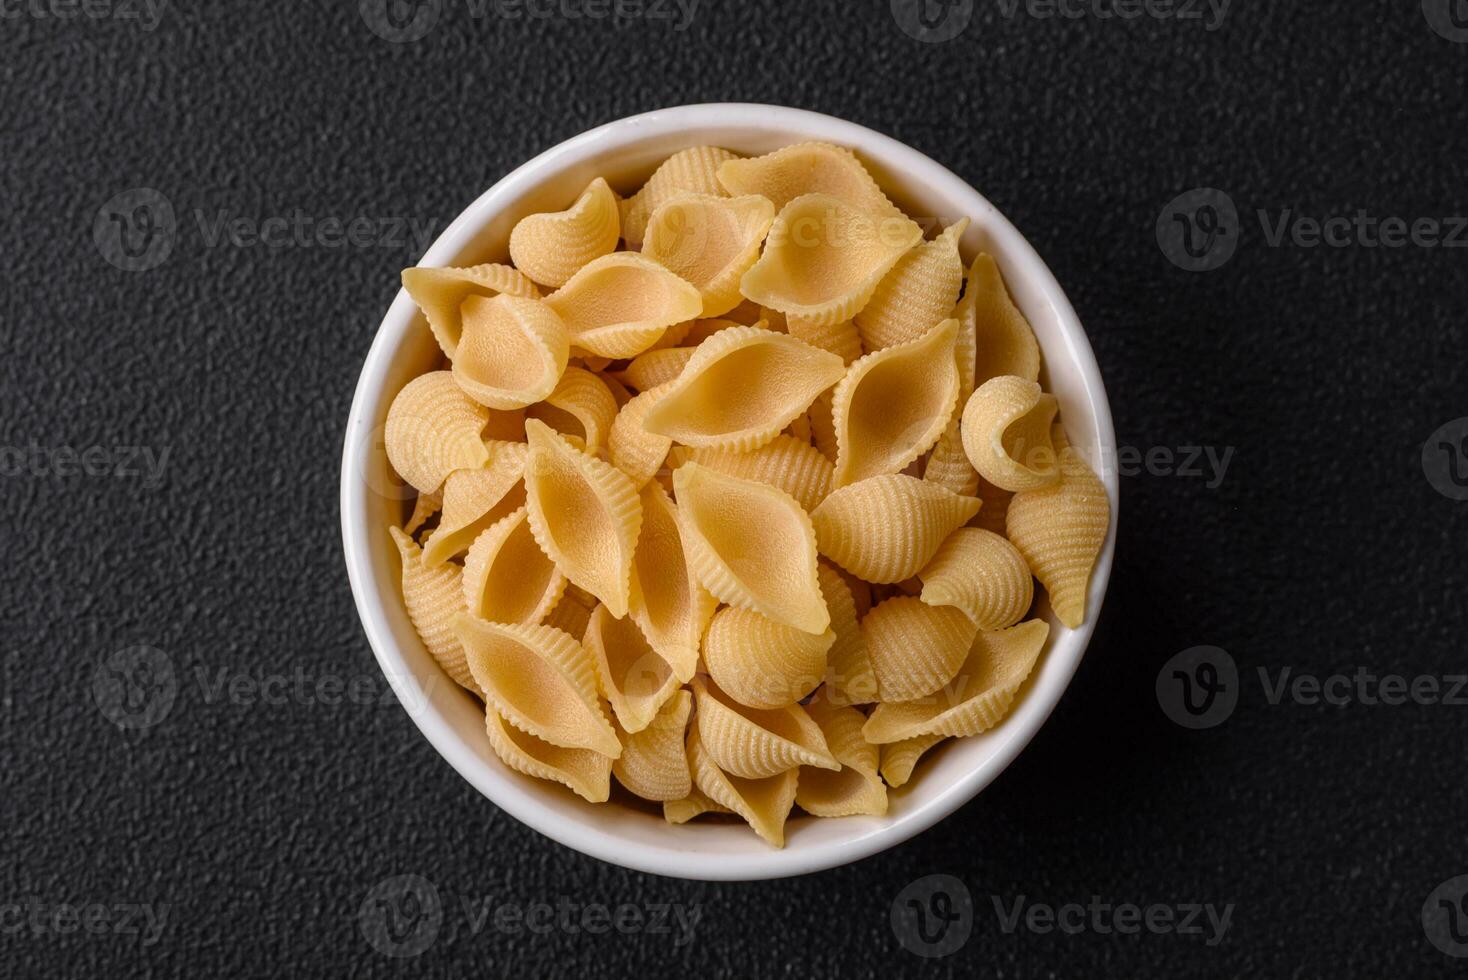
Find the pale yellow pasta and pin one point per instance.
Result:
(992, 515)
(824, 258)
(512, 353)
(747, 313)
(886, 528)
(585, 772)
(854, 788)
(440, 293)
(581, 406)
(1006, 434)
(915, 648)
(983, 575)
(702, 330)
(823, 428)
(654, 761)
(741, 387)
(433, 597)
(634, 450)
(655, 368)
(1060, 530)
(693, 170)
(549, 248)
(893, 404)
(948, 464)
(673, 336)
(540, 680)
(621, 304)
(806, 168)
(630, 674)
(772, 573)
(920, 290)
(849, 675)
(709, 241)
(754, 743)
(785, 462)
(840, 339)
(572, 613)
(763, 803)
(799, 430)
(980, 694)
(432, 429)
(900, 758)
(1003, 338)
(667, 600)
(762, 663)
(620, 394)
(425, 506)
(584, 513)
(475, 499)
(695, 804)
(507, 578)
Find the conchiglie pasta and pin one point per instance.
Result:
(634, 450)
(762, 663)
(512, 353)
(621, 304)
(433, 597)
(549, 248)
(920, 290)
(854, 788)
(1006, 434)
(654, 761)
(695, 804)
(806, 168)
(629, 672)
(849, 675)
(425, 506)
(981, 574)
(667, 600)
(572, 614)
(585, 772)
(1004, 342)
(440, 293)
(655, 368)
(915, 648)
(763, 803)
(900, 758)
(507, 578)
(709, 241)
(581, 406)
(886, 528)
(755, 743)
(840, 339)
(432, 429)
(475, 499)
(794, 466)
(694, 170)
(992, 514)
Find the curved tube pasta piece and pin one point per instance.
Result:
(806, 168)
(915, 648)
(434, 597)
(695, 804)
(440, 293)
(582, 406)
(921, 289)
(586, 773)
(655, 368)
(549, 248)
(1004, 342)
(1006, 434)
(982, 690)
(763, 803)
(654, 761)
(634, 450)
(630, 674)
(584, 514)
(983, 575)
(855, 788)
(709, 241)
(475, 499)
(772, 572)
(693, 170)
(849, 675)
(761, 663)
(512, 353)
(621, 304)
(755, 743)
(741, 387)
(796, 467)
(894, 404)
(507, 578)
(432, 429)
(886, 528)
(900, 758)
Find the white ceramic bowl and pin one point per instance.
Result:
(625, 152)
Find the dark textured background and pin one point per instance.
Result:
(264, 826)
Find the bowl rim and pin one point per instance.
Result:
(675, 861)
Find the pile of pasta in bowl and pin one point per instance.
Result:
(736, 490)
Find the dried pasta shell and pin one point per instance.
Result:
(540, 680)
(655, 368)
(572, 614)
(475, 499)
(900, 758)
(692, 170)
(981, 693)
(512, 353)
(806, 168)
(894, 404)
(773, 572)
(1004, 342)
(629, 672)
(840, 339)
(794, 466)
(620, 394)
(634, 450)
(709, 241)
(854, 788)
(948, 464)
(425, 506)
(755, 743)
(761, 663)
(695, 804)
(992, 515)
(621, 304)
(440, 292)
(549, 248)
(581, 406)
(763, 803)
(849, 675)
(823, 428)
(667, 600)
(433, 597)
(432, 429)
(507, 578)
(654, 761)
(919, 291)
(585, 772)
(584, 513)
(824, 258)
(981, 574)
(886, 528)
(1006, 434)
(915, 648)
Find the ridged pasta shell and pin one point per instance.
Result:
(741, 387)
(540, 680)
(854, 788)
(705, 328)
(512, 353)
(634, 450)
(754, 743)
(991, 516)
(894, 404)
(709, 241)
(433, 598)
(980, 695)
(584, 513)
(823, 428)
(692, 170)
(840, 339)
(799, 430)
(585, 772)
(919, 291)
(549, 248)
(948, 464)
(440, 292)
(695, 804)
(507, 578)
(1060, 530)
(620, 304)
(475, 499)
(981, 574)
(915, 648)
(425, 505)
(667, 600)
(1003, 338)
(794, 466)
(763, 803)
(572, 613)
(806, 168)
(654, 761)
(772, 572)
(620, 393)
(900, 758)
(849, 675)
(581, 406)
(629, 672)
(655, 368)
(432, 429)
(1006, 434)
(761, 663)
(886, 528)
(824, 258)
